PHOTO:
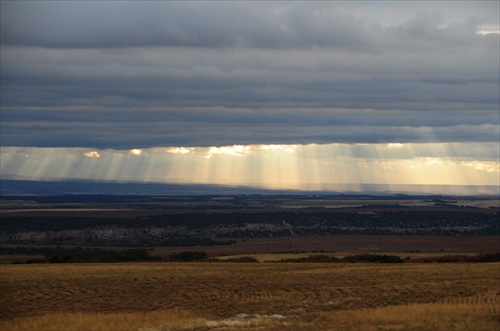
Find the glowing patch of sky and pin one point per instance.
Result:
(268, 166)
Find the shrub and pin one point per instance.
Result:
(491, 257)
(314, 259)
(79, 254)
(189, 256)
(373, 258)
(487, 257)
(242, 259)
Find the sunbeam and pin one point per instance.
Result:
(328, 167)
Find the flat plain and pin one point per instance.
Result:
(269, 295)
(248, 296)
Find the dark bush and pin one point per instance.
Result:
(373, 258)
(487, 257)
(242, 259)
(189, 256)
(79, 254)
(491, 257)
(313, 259)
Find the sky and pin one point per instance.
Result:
(280, 95)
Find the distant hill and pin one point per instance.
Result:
(30, 187)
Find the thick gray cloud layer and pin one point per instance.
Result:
(141, 74)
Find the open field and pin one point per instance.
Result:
(239, 296)
(157, 296)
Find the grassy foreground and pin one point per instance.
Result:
(239, 296)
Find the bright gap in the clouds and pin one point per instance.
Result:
(299, 167)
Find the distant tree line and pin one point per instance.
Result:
(372, 258)
(379, 258)
(404, 218)
(486, 257)
(80, 254)
(218, 228)
(97, 255)
(188, 256)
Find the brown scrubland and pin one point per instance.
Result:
(250, 296)
(440, 285)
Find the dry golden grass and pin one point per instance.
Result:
(155, 320)
(424, 317)
(246, 296)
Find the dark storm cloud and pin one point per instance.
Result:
(140, 74)
(79, 24)
(202, 127)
